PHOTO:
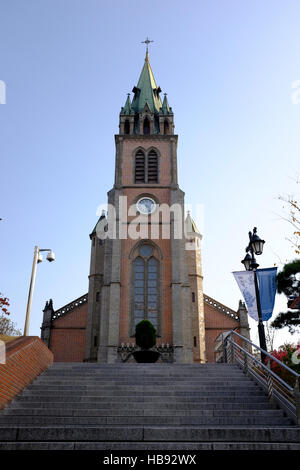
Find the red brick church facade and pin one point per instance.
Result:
(151, 276)
(65, 334)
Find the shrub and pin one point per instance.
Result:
(145, 334)
(288, 355)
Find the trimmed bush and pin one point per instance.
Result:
(145, 334)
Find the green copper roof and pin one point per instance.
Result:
(127, 107)
(165, 105)
(146, 91)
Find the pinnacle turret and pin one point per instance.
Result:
(165, 109)
(127, 108)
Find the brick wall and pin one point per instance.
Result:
(68, 333)
(67, 340)
(215, 323)
(26, 358)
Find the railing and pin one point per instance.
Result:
(166, 351)
(283, 392)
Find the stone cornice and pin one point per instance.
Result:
(139, 137)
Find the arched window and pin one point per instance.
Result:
(166, 127)
(127, 127)
(146, 286)
(152, 176)
(139, 172)
(146, 126)
(139, 290)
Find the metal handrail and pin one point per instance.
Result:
(261, 364)
(285, 395)
(266, 354)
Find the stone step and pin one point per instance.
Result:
(129, 376)
(158, 368)
(96, 398)
(117, 383)
(249, 433)
(146, 420)
(49, 390)
(18, 413)
(167, 371)
(133, 406)
(144, 369)
(149, 446)
(69, 391)
(136, 373)
(125, 411)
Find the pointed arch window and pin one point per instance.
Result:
(146, 287)
(146, 167)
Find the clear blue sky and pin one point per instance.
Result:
(228, 68)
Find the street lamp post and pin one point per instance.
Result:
(37, 258)
(256, 246)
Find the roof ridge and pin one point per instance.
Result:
(221, 307)
(69, 307)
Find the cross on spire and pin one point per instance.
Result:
(147, 42)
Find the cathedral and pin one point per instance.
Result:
(145, 255)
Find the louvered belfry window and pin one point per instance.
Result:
(152, 167)
(146, 167)
(140, 167)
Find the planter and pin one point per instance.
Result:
(146, 356)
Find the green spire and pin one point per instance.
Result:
(127, 108)
(146, 92)
(165, 105)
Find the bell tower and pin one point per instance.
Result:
(144, 270)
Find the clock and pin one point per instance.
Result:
(146, 205)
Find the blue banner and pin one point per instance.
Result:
(267, 289)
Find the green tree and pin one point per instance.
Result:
(288, 283)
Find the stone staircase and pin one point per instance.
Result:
(145, 407)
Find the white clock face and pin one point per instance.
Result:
(146, 205)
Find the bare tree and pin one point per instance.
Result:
(7, 327)
(291, 214)
(270, 333)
